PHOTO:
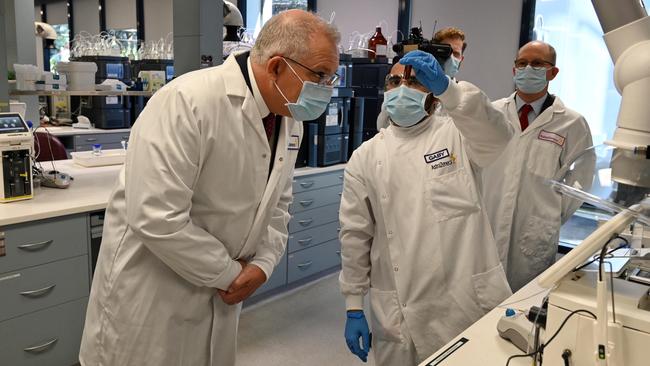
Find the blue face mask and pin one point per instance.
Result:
(405, 105)
(451, 66)
(312, 101)
(530, 80)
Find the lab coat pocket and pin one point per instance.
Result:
(538, 241)
(544, 159)
(491, 287)
(452, 195)
(385, 316)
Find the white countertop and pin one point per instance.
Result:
(88, 192)
(485, 347)
(70, 131)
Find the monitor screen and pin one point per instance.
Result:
(12, 123)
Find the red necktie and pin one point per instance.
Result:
(523, 116)
(269, 125)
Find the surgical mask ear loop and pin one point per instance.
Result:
(276, 84)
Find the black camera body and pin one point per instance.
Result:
(415, 41)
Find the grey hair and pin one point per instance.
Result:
(290, 37)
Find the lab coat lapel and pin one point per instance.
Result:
(513, 115)
(236, 86)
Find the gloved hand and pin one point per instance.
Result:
(357, 327)
(427, 70)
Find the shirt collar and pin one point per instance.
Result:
(259, 100)
(536, 104)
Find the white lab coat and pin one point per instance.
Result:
(192, 197)
(524, 211)
(413, 229)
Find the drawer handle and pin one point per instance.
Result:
(35, 246)
(43, 347)
(340, 194)
(340, 177)
(91, 139)
(307, 184)
(338, 252)
(338, 229)
(305, 265)
(305, 241)
(39, 292)
(306, 203)
(306, 222)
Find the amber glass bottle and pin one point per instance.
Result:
(378, 44)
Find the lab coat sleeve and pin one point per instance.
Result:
(357, 228)
(582, 175)
(273, 246)
(162, 167)
(485, 129)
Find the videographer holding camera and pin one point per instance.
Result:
(413, 229)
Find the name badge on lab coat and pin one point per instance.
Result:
(294, 142)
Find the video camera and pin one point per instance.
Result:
(415, 41)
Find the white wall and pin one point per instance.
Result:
(120, 14)
(57, 13)
(360, 15)
(86, 16)
(492, 33)
(157, 19)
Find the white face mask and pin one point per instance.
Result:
(312, 101)
(530, 80)
(451, 66)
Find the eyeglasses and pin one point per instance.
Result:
(323, 78)
(535, 64)
(395, 80)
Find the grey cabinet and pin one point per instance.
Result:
(48, 337)
(107, 140)
(44, 285)
(313, 244)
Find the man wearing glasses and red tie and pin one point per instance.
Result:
(524, 211)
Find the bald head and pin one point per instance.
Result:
(541, 48)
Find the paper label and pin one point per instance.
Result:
(111, 100)
(381, 50)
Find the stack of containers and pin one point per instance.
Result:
(51, 81)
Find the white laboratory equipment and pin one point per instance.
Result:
(16, 146)
(599, 319)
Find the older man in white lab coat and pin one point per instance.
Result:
(414, 233)
(524, 211)
(198, 219)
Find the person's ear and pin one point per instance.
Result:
(514, 71)
(274, 67)
(553, 73)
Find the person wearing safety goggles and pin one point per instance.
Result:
(414, 234)
(524, 211)
(198, 219)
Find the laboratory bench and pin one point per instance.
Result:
(480, 344)
(48, 246)
(83, 139)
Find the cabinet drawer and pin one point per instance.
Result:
(278, 277)
(45, 241)
(100, 138)
(313, 260)
(318, 198)
(47, 337)
(35, 288)
(310, 237)
(312, 218)
(317, 181)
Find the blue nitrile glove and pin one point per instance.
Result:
(357, 327)
(428, 71)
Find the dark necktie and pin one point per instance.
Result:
(269, 125)
(523, 116)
